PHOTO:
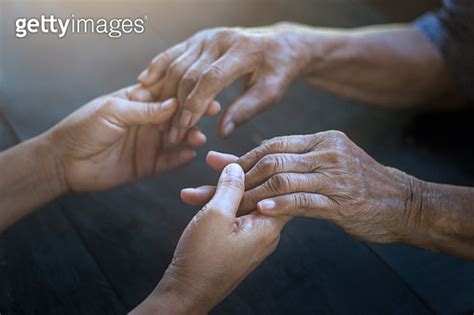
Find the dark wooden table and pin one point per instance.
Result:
(102, 253)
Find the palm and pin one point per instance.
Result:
(121, 157)
(112, 141)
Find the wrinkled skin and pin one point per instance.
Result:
(326, 176)
(198, 69)
(216, 251)
(113, 141)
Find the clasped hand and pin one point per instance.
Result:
(326, 176)
(113, 141)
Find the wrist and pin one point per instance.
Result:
(50, 168)
(415, 217)
(295, 37)
(314, 46)
(172, 297)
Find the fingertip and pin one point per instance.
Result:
(143, 76)
(147, 77)
(217, 160)
(197, 196)
(162, 112)
(201, 139)
(266, 206)
(227, 156)
(169, 104)
(214, 108)
(227, 126)
(186, 156)
(186, 195)
(196, 138)
(229, 190)
(234, 169)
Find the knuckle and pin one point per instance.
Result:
(334, 133)
(338, 137)
(164, 56)
(304, 163)
(278, 162)
(190, 77)
(335, 157)
(274, 144)
(174, 71)
(278, 183)
(222, 34)
(213, 73)
(266, 165)
(340, 134)
(188, 81)
(302, 200)
(245, 41)
(339, 143)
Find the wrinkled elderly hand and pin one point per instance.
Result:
(325, 176)
(112, 141)
(197, 70)
(215, 253)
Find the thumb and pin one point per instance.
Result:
(217, 160)
(129, 113)
(229, 191)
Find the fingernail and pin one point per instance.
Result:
(173, 136)
(203, 137)
(228, 128)
(188, 190)
(143, 75)
(185, 118)
(197, 189)
(233, 169)
(266, 205)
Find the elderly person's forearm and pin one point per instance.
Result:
(445, 218)
(327, 176)
(392, 66)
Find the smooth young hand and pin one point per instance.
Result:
(216, 251)
(113, 141)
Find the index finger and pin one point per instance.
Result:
(213, 80)
(158, 66)
(287, 144)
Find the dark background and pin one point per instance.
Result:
(104, 252)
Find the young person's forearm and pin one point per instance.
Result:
(392, 66)
(444, 217)
(30, 177)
